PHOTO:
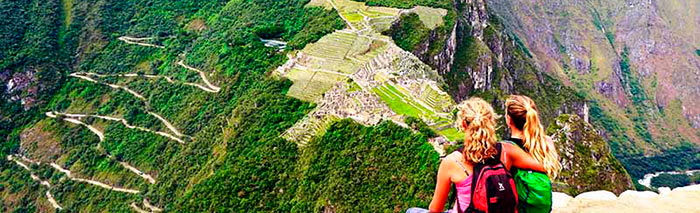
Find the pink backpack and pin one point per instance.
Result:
(493, 187)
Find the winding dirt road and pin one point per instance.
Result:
(101, 136)
(132, 40)
(169, 79)
(93, 182)
(201, 74)
(78, 75)
(49, 196)
(169, 125)
(121, 120)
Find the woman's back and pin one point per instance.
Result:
(462, 179)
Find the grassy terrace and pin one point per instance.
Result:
(431, 17)
(310, 85)
(401, 103)
(404, 104)
(330, 51)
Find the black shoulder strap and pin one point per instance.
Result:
(475, 178)
(499, 147)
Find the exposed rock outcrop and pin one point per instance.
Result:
(487, 61)
(682, 199)
(21, 86)
(587, 162)
(622, 54)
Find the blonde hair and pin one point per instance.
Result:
(524, 115)
(477, 119)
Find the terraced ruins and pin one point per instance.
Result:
(361, 74)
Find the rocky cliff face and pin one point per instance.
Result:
(20, 86)
(480, 57)
(636, 60)
(587, 162)
(632, 64)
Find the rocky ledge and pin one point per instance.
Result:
(681, 199)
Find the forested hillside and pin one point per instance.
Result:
(168, 105)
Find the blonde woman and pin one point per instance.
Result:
(478, 120)
(534, 189)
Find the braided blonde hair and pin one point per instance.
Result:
(523, 112)
(477, 119)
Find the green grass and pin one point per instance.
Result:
(431, 17)
(353, 17)
(452, 134)
(353, 87)
(309, 85)
(67, 12)
(393, 98)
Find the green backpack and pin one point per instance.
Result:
(534, 190)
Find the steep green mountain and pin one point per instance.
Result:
(587, 161)
(636, 63)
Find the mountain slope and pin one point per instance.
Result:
(570, 57)
(635, 61)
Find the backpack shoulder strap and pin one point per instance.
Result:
(475, 178)
(499, 149)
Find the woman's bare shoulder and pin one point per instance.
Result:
(452, 157)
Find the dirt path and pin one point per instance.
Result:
(341, 16)
(167, 78)
(93, 182)
(132, 40)
(134, 170)
(78, 75)
(52, 200)
(138, 209)
(147, 205)
(123, 121)
(167, 124)
(201, 74)
(151, 207)
(49, 196)
(101, 136)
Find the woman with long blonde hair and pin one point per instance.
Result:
(523, 120)
(477, 119)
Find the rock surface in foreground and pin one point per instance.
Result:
(682, 199)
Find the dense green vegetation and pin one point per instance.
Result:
(639, 97)
(682, 157)
(235, 159)
(354, 168)
(409, 32)
(589, 162)
(671, 180)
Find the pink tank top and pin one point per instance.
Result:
(464, 191)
